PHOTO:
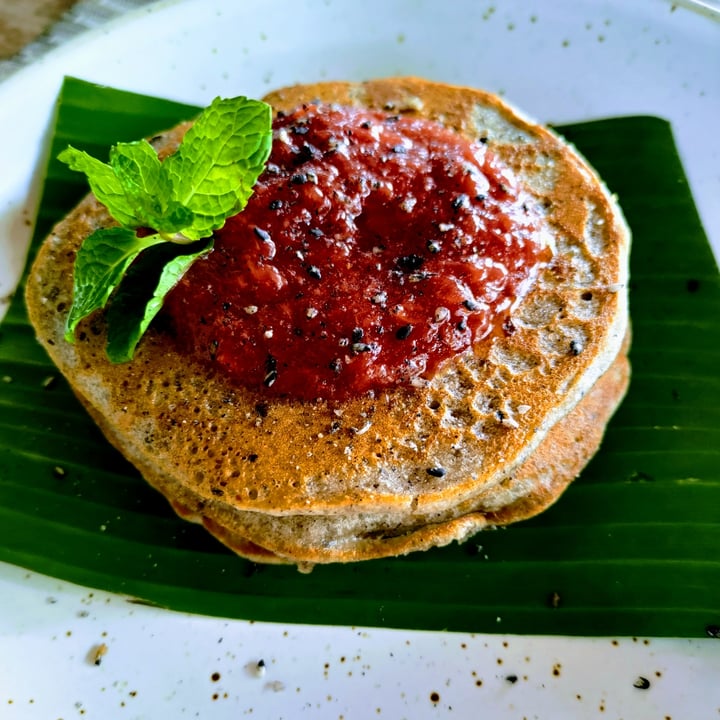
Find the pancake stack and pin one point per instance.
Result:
(493, 437)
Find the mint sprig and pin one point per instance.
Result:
(178, 203)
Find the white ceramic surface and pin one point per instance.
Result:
(560, 61)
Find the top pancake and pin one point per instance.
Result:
(479, 418)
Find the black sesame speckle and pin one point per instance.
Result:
(642, 683)
(410, 262)
(458, 201)
(262, 234)
(437, 472)
(270, 371)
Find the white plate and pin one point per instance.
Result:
(560, 62)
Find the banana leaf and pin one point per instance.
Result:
(632, 548)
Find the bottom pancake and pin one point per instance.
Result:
(307, 540)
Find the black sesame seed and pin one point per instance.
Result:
(317, 232)
(357, 334)
(314, 272)
(641, 683)
(252, 457)
(712, 631)
(403, 332)
(261, 409)
(461, 326)
(225, 306)
(586, 296)
(365, 125)
(480, 198)
(361, 347)
(512, 679)
(275, 204)
(306, 153)
(270, 371)
(471, 305)
(575, 348)
(483, 140)
(262, 234)
(299, 129)
(410, 262)
(458, 201)
(336, 365)
(437, 472)
(299, 178)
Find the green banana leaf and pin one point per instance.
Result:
(632, 548)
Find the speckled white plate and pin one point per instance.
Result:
(68, 652)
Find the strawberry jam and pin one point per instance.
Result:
(373, 248)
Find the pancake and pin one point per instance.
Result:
(324, 481)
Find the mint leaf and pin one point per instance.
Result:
(147, 187)
(141, 296)
(182, 200)
(223, 153)
(99, 266)
(104, 183)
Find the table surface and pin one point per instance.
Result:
(21, 23)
